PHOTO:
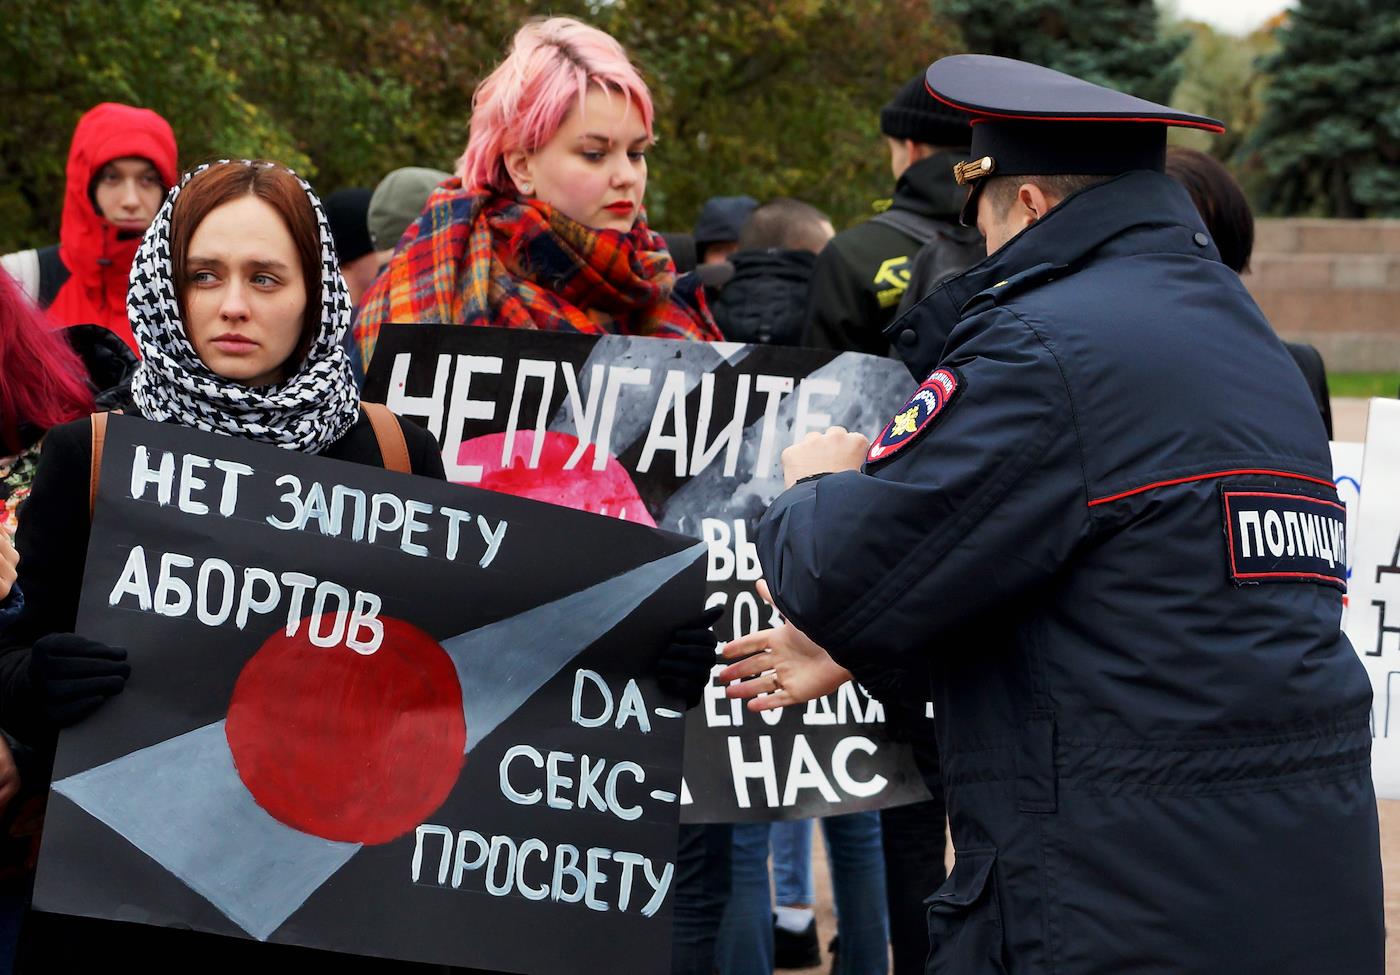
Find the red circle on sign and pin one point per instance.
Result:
(609, 491)
(359, 748)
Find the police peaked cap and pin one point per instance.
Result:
(1033, 121)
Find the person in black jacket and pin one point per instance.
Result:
(1105, 522)
(241, 326)
(862, 274)
(766, 299)
(1225, 210)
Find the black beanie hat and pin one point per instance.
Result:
(347, 211)
(915, 114)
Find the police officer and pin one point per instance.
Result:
(1106, 517)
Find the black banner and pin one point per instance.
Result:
(686, 436)
(372, 713)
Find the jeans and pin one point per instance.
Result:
(792, 863)
(703, 855)
(858, 878)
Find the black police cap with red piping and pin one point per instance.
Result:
(1033, 121)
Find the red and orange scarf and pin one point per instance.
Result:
(477, 258)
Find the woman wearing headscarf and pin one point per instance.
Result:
(544, 226)
(241, 314)
(240, 324)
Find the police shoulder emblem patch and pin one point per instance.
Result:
(928, 402)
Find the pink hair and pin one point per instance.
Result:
(525, 100)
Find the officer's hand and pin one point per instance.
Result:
(9, 565)
(781, 667)
(824, 453)
(72, 676)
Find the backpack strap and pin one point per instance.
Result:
(392, 446)
(99, 435)
(923, 229)
(53, 274)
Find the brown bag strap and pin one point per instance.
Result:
(392, 446)
(99, 434)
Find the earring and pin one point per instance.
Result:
(527, 188)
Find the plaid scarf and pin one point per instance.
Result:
(478, 258)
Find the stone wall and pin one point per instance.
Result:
(1334, 284)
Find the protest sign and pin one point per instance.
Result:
(1346, 474)
(372, 713)
(1373, 592)
(686, 436)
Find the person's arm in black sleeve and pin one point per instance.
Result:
(52, 542)
(836, 305)
(987, 502)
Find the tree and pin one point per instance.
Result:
(779, 97)
(772, 97)
(1116, 43)
(236, 78)
(1329, 141)
(1220, 78)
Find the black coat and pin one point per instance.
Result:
(52, 540)
(863, 272)
(765, 301)
(1107, 519)
(1309, 362)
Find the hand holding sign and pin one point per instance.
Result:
(9, 565)
(824, 453)
(780, 666)
(73, 675)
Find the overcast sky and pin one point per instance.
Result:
(1234, 16)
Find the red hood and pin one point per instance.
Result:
(97, 261)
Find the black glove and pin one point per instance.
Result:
(72, 676)
(683, 668)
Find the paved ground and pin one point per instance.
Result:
(1349, 418)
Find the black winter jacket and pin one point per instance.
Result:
(1107, 519)
(766, 300)
(863, 272)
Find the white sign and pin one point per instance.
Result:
(1346, 474)
(1373, 599)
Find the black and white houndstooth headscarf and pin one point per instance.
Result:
(308, 411)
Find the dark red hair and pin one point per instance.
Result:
(42, 381)
(274, 185)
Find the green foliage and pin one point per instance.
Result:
(1219, 79)
(773, 98)
(766, 98)
(1117, 43)
(1330, 137)
(233, 78)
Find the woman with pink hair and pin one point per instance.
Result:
(543, 226)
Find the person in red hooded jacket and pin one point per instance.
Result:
(121, 162)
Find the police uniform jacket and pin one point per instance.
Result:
(1113, 532)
